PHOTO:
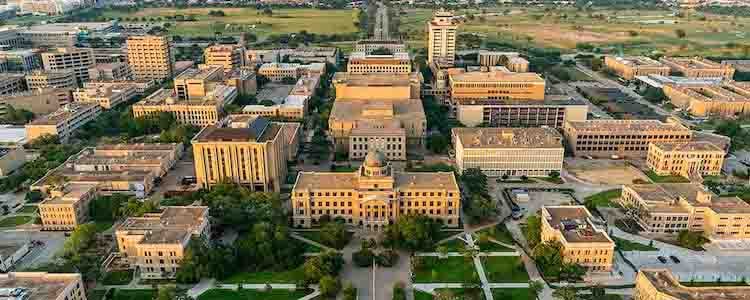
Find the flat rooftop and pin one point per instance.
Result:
(375, 79)
(692, 62)
(140, 147)
(8, 248)
(625, 126)
(39, 285)
(71, 193)
(692, 146)
(173, 225)
(199, 74)
(64, 113)
(275, 92)
(69, 27)
(638, 61)
(355, 110)
(726, 91)
(664, 282)
(574, 222)
(12, 134)
(666, 194)
(496, 76)
(402, 181)
(254, 129)
(488, 138)
(169, 97)
(362, 56)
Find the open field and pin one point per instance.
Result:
(289, 276)
(604, 171)
(636, 31)
(453, 269)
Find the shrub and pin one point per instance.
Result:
(387, 258)
(363, 258)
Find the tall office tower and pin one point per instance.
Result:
(150, 57)
(442, 31)
(382, 24)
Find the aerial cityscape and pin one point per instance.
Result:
(374, 150)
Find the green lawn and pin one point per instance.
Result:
(491, 246)
(604, 199)
(464, 293)
(315, 236)
(15, 221)
(134, 294)
(309, 247)
(454, 269)
(444, 234)
(666, 179)
(505, 269)
(290, 276)
(511, 294)
(453, 245)
(420, 295)
(221, 294)
(626, 245)
(499, 233)
(103, 225)
(28, 209)
(117, 277)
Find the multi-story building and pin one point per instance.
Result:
(21, 60)
(494, 84)
(194, 83)
(77, 59)
(292, 106)
(368, 46)
(64, 35)
(279, 71)
(727, 98)
(67, 206)
(150, 57)
(108, 97)
(11, 83)
(361, 63)
(531, 113)
(142, 87)
(630, 138)
(509, 151)
(40, 102)
(375, 195)
(311, 55)
(156, 242)
(387, 138)
(63, 122)
(690, 160)
(64, 79)
(243, 79)
(582, 242)
(261, 56)
(697, 67)
(628, 67)
(250, 151)
(442, 32)
(198, 111)
(43, 285)
(349, 116)
(111, 55)
(674, 207)
(511, 60)
(227, 56)
(10, 36)
(110, 71)
(377, 86)
(12, 156)
(661, 284)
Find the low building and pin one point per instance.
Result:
(375, 195)
(227, 56)
(697, 67)
(244, 80)
(277, 72)
(348, 115)
(63, 122)
(67, 206)
(110, 71)
(204, 111)
(658, 284)
(693, 159)
(250, 151)
(111, 55)
(155, 243)
(42, 79)
(741, 65)
(40, 102)
(668, 208)
(11, 252)
(493, 84)
(291, 105)
(387, 138)
(43, 286)
(509, 151)
(622, 138)
(531, 113)
(64, 34)
(628, 67)
(11, 83)
(77, 59)
(261, 56)
(727, 99)
(368, 46)
(362, 63)
(377, 86)
(142, 87)
(106, 96)
(11, 158)
(311, 55)
(511, 60)
(582, 242)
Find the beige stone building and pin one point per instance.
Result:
(67, 206)
(478, 86)
(292, 106)
(396, 63)
(388, 138)
(155, 243)
(690, 160)
(674, 207)
(150, 57)
(582, 242)
(110, 71)
(77, 59)
(142, 87)
(442, 32)
(193, 83)
(628, 67)
(11, 83)
(530, 113)
(278, 71)
(44, 286)
(40, 102)
(311, 55)
(244, 80)
(227, 56)
(661, 284)
(368, 46)
(509, 151)
(697, 67)
(511, 60)
(726, 99)
(375, 195)
(198, 111)
(348, 116)
(622, 138)
(250, 151)
(377, 86)
(43, 79)
(108, 97)
(63, 122)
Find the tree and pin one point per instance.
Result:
(363, 258)
(412, 232)
(438, 143)
(79, 239)
(443, 250)
(535, 288)
(399, 291)
(479, 208)
(680, 33)
(166, 292)
(691, 240)
(326, 264)
(475, 181)
(34, 196)
(554, 174)
(533, 230)
(329, 286)
(334, 234)
(598, 292)
(349, 291)
(655, 95)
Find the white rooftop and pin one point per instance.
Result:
(12, 134)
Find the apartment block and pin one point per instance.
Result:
(628, 67)
(150, 57)
(697, 67)
(726, 99)
(196, 110)
(361, 63)
(110, 71)
(375, 195)
(356, 116)
(77, 59)
(530, 113)
(442, 32)
(227, 56)
(693, 159)
(368, 46)
(64, 79)
(108, 97)
(67, 206)
(658, 284)
(278, 71)
(11, 83)
(64, 122)
(674, 207)
(43, 285)
(250, 151)
(529, 152)
(582, 242)
(40, 102)
(155, 243)
(622, 138)
(377, 86)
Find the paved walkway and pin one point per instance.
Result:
(452, 254)
(480, 269)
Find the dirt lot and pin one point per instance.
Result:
(602, 171)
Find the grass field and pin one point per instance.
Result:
(290, 276)
(626, 245)
(454, 269)
(505, 269)
(134, 295)
(453, 245)
(220, 294)
(420, 295)
(499, 233)
(28, 209)
(117, 277)
(604, 199)
(666, 179)
(15, 221)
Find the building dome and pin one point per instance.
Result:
(375, 159)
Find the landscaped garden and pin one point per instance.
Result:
(603, 199)
(15, 221)
(119, 277)
(666, 179)
(453, 269)
(289, 276)
(504, 269)
(626, 245)
(245, 294)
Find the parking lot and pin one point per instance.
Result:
(52, 243)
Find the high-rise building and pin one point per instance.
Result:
(442, 31)
(150, 57)
(77, 59)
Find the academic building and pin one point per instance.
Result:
(375, 123)
(155, 243)
(493, 84)
(531, 113)
(11, 83)
(693, 159)
(42, 79)
(442, 32)
(377, 86)
(697, 67)
(150, 57)
(628, 67)
(361, 63)
(726, 99)
(63, 122)
(582, 242)
(276, 72)
(509, 151)
(510, 60)
(375, 195)
(40, 102)
(250, 151)
(43, 286)
(77, 59)
(227, 56)
(108, 97)
(368, 46)
(622, 138)
(661, 284)
(673, 207)
(67, 207)
(111, 71)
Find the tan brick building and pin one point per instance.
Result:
(388, 138)
(442, 32)
(530, 113)
(582, 242)
(691, 160)
(726, 99)
(278, 71)
(348, 116)
(111, 71)
(155, 243)
(697, 67)
(377, 86)
(150, 57)
(661, 284)
(478, 86)
(623, 138)
(293, 106)
(108, 97)
(43, 79)
(375, 195)
(40, 102)
(511, 60)
(44, 286)
(77, 59)
(67, 206)
(198, 111)
(396, 63)
(63, 122)
(227, 56)
(368, 46)
(628, 67)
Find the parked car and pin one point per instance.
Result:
(674, 259)
(662, 259)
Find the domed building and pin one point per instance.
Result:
(375, 195)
